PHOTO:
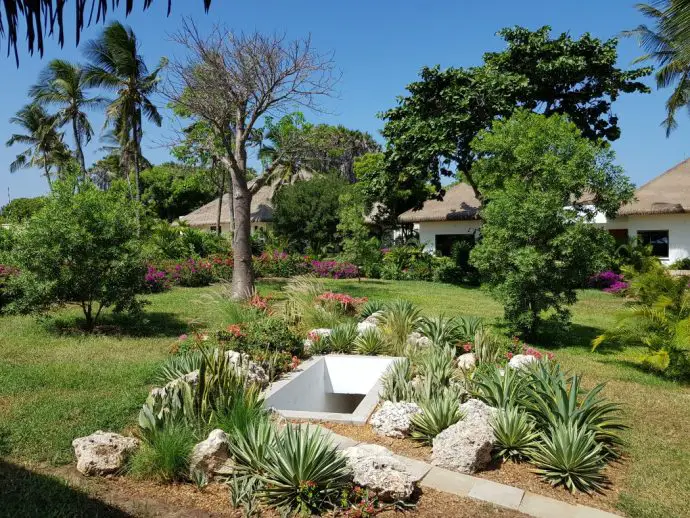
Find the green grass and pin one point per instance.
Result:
(57, 383)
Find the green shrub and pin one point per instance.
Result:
(515, 433)
(164, 454)
(371, 343)
(438, 413)
(303, 472)
(179, 242)
(442, 331)
(568, 454)
(680, 264)
(272, 334)
(342, 338)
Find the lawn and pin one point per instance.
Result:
(57, 383)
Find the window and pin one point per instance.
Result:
(445, 242)
(657, 238)
(213, 228)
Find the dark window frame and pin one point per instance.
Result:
(656, 239)
(443, 245)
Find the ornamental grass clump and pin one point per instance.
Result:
(397, 322)
(164, 454)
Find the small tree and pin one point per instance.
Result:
(306, 213)
(538, 244)
(358, 244)
(82, 248)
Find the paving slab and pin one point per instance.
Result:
(417, 468)
(499, 494)
(448, 481)
(339, 441)
(545, 507)
(582, 511)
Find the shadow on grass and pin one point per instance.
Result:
(142, 325)
(26, 494)
(575, 336)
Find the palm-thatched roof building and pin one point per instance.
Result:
(261, 216)
(659, 215)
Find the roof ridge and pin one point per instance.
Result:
(659, 177)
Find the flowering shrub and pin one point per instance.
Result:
(221, 267)
(260, 303)
(335, 269)
(617, 287)
(191, 273)
(341, 302)
(360, 503)
(156, 281)
(604, 280)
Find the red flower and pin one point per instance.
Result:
(467, 347)
(509, 355)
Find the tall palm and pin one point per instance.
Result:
(668, 43)
(45, 147)
(115, 64)
(63, 84)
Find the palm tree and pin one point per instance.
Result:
(668, 43)
(115, 64)
(45, 147)
(64, 84)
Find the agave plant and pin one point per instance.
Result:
(515, 433)
(303, 472)
(342, 338)
(441, 330)
(397, 322)
(396, 382)
(372, 307)
(177, 366)
(568, 454)
(438, 413)
(250, 448)
(371, 343)
(497, 388)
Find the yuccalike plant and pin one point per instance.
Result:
(438, 413)
(487, 347)
(178, 365)
(497, 388)
(468, 327)
(371, 343)
(396, 382)
(441, 330)
(436, 365)
(515, 433)
(303, 472)
(398, 320)
(568, 454)
(342, 338)
(372, 307)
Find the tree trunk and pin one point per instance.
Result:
(46, 170)
(221, 192)
(242, 272)
(78, 149)
(135, 135)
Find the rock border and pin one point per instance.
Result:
(484, 490)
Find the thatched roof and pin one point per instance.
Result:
(459, 203)
(261, 208)
(668, 193)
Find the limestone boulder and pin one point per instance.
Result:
(521, 361)
(466, 446)
(416, 339)
(376, 468)
(211, 456)
(254, 372)
(467, 361)
(365, 326)
(394, 419)
(103, 453)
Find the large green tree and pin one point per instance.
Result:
(171, 190)
(63, 84)
(45, 149)
(307, 213)
(538, 242)
(430, 131)
(20, 210)
(667, 43)
(116, 64)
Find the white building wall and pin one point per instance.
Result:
(678, 226)
(429, 229)
(225, 227)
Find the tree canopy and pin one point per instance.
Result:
(538, 244)
(430, 131)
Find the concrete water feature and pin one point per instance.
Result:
(337, 388)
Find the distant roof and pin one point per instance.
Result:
(261, 208)
(668, 193)
(459, 203)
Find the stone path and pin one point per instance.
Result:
(502, 495)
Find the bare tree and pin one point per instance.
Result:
(231, 81)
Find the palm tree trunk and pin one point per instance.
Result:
(78, 149)
(137, 152)
(46, 170)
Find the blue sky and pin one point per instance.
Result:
(379, 47)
